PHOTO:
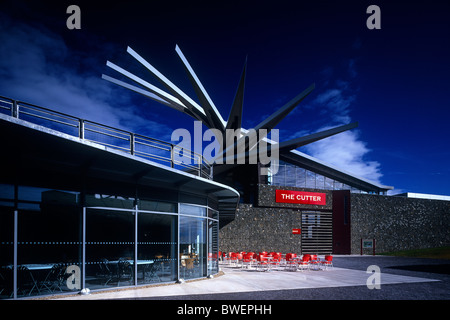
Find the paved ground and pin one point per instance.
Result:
(401, 279)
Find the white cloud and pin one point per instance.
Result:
(37, 66)
(347, 152)
(336, 103)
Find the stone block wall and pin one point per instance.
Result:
(399, 223)
(261, 229)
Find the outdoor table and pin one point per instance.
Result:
(33, 268)
(38, 266)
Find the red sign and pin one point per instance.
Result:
(296, 231)
(300, 197)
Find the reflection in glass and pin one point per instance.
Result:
(109, 248)
(109, 201)
(192, 210)
(292, 176)
(159, 206)
(192, 247)
(213, 245)
(301, 177)
(157, 248)
(6, 250)
(48, 241)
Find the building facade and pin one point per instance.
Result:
(340, 225)
(79, 211)
(84, 206)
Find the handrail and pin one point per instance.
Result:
(135, 144)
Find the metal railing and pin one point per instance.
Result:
(135, 144)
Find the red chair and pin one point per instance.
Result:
(305, 262)
(239, 258)
(314, 262)
(233, 258)
(291, 262)
(248, 260)
(276, 259)
(227, 257)
(328, 262)
(262, 262)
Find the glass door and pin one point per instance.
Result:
(193, 254)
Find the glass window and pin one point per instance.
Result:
(338, 185)
(49, 244)
(320, 181)
(301, 177)
(192, 210)
(193, 252)
(157, 248)
(290, 176)
(310, 180)
(6, 192)
(6, 251)
(214, 214)
(329, 183)
(109, 248)
(294, 176)
(278, 178)
(109, 201)
(159, 206)
(213, 245)
(30, 193)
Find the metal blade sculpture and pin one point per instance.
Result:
(209, 115)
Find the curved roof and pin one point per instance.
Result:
(37, 152)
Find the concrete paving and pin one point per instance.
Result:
(241, 280)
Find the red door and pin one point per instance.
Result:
(341, 222)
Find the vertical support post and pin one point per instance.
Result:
(136, 241)
(81, 129)
(15, 109)
(83, 246)
(178, 245)
(15, 238)
(172, 157)
(132, 142)
(16, 221)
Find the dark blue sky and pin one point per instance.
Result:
(393, 81)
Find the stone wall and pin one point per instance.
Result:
(261, 229)
(399, 223)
